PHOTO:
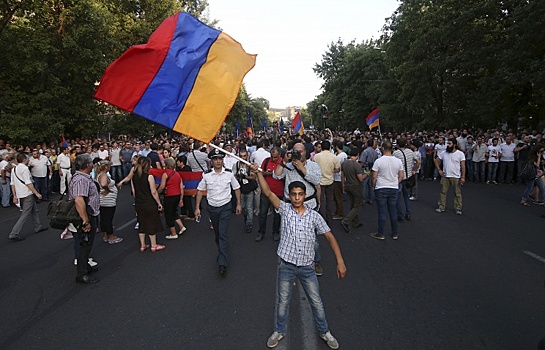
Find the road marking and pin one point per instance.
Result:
(310, 341)
(125, 225)
(534, 255)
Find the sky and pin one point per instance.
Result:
(290, 37)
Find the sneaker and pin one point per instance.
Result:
(276, 236)
(248, 229)
(259, 237)
(439, 210)
(408, 217)
(337, 217)
(91, 262)
(395, 237)
(494, 182)
(488, 182)
(330, 340)
(137, 226)
(345, 226)
(319, 270)
(376, 235)
(458, 212)
(274, 339)
(412, 198)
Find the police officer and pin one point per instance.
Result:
(218, 183)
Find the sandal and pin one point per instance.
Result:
(115, 240)
(524, 203)
(144, 247)
(157, 247)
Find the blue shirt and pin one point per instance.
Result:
(298, 233)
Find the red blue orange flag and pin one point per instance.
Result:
(186, 77)
(373, 119)
(297, 124)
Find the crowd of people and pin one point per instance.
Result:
(299, 180)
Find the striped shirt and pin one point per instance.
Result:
(298, 233)
(82, 185)
(110, 199)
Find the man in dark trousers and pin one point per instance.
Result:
(218, 183)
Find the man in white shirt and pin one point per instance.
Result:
(103, 152)
(337, 181)
(64, 168)
(25, 194)
(5, 178)
(258, 157)
(493, 155)
(410, 166)
(453, 174)
(38, 164)
(507, 160)
(218, 183)
(387, 174)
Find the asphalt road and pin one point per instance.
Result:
(450, 282)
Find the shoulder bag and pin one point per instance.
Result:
(410, 182)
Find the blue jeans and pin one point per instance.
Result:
(220, 217)
(6, 192)
(264, 205)
(247, 204)
(126, 169)
(470, 170)
(479, 171)
(40, 183)
(287, 274)
(387, 202)
(117, 173)
(368, 192)
(403, 198)
(492, 170)
(530, 187)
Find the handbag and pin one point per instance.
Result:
(528, 172)
(62, 212)
(410, 182)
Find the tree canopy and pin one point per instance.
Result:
(444, 63)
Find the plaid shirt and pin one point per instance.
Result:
(298, 234)
(82, 185)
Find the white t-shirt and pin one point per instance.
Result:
(387, 168)
(493, 154)
(39, 166)
(452, 163)
(440, 148)
(103, 154)
(507, 152)
(21, 173)
(341, 157)
(63, 161)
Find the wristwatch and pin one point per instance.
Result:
(85, 224)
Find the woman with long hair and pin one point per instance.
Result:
(172, 183)
(147, 204)
(535, 159)
(108, 201)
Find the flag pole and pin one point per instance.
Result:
(233, 155)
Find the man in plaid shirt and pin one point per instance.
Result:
(298, 229)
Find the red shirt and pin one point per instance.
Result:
(276, 186)
(173, 184)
